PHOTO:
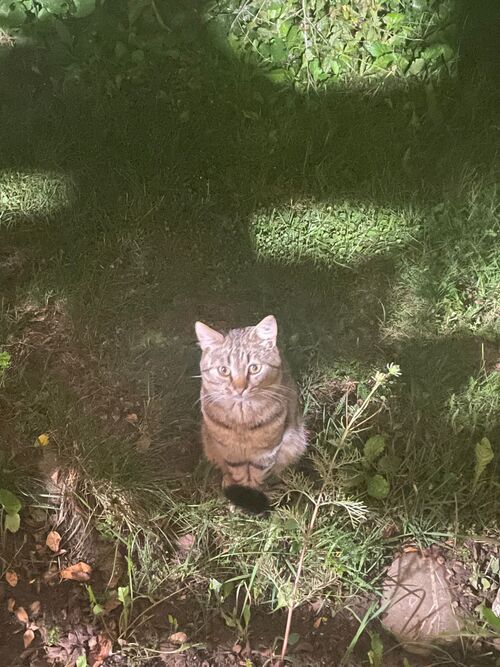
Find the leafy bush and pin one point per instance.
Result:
(307, 44)
(321, 42)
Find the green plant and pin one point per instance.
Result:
(5, 361)
(95, 606)
(11, 506)
(376, 652)
(17, 14)
(484, 455)
(173, 623)
(125, 598)
(490, 618)
(323, 499)
(240, 613)
(315, 44)
(378, 468)
(302, 45)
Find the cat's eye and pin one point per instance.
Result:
(224, 370)
(254, 368)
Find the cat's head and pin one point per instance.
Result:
(238, 364)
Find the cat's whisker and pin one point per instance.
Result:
(212, 397)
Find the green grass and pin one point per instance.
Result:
(33, 194)
(367, 222)
(343, 233)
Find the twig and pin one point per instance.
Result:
(159, 18)
(291, 607)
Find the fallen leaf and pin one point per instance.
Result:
(43, 440)
(22, 615)
(112, 603)
(28, 637)
(54, 476)
(11, 578)
(132, 418)
(178, 638)
(186, 543)
(53, 541)
(101, 650)
(77, 572)
(11, 603)
(35, 607)
(318, 622)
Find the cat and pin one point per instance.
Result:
(252, 424)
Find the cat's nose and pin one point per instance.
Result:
(240, 384)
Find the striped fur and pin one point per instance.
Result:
(252, 424)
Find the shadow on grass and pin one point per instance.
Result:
(161, 234)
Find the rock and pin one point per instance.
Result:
(418, 603)
(178, 638)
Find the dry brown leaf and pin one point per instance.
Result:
(35, 607)
(77, 572)
(317, 622)
(112, 603)
(28, 637)
(54, 476)
(410, 549)
(101, 650)
(11, 578)
(22, 615)
(178, 638)
(186, 542)
(11, 603)
(53, 541)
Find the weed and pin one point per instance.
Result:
(240, 593)
(356, 418)
(484, 456)
(5, 361)
(376, 653)
(10, 506)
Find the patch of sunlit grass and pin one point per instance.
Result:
(35, 194)
(344, 233)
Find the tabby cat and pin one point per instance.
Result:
(252, 424)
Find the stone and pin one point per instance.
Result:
(418, 603)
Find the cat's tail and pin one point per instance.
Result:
(251, 500)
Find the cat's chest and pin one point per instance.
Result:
(246, 426)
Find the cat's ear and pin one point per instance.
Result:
(267, 329)
(207, 336)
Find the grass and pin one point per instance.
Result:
(367, 222)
